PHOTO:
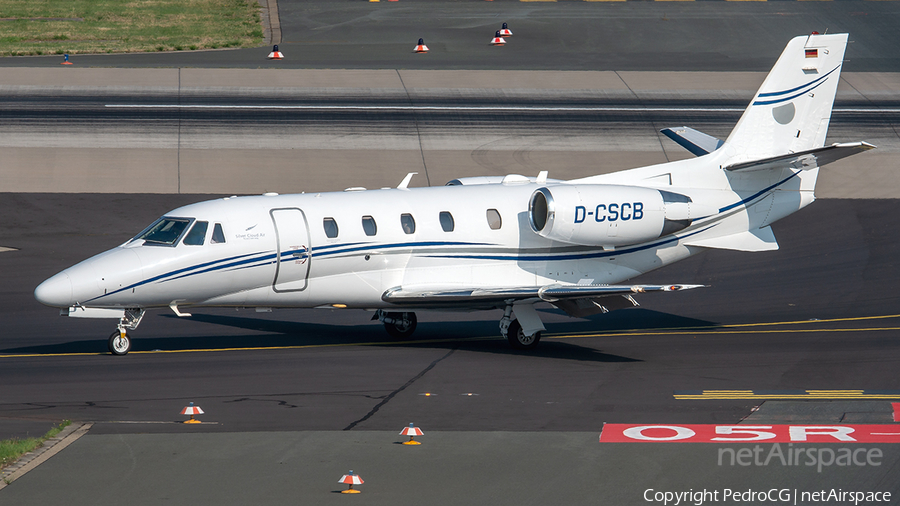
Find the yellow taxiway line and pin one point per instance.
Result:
(674, 331)
(805, 395)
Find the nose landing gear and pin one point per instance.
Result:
(120, 341)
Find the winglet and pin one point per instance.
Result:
(403, 184)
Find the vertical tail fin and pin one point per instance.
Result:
(792, 108)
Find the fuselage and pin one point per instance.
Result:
(346, 249)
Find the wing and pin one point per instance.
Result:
(466, 297)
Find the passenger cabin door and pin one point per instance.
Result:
(293, 249)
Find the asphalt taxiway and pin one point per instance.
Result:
(294, 399)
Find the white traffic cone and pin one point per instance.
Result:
(411, 431)
(497, 40)
(351, 479)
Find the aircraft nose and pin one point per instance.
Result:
(55, 292)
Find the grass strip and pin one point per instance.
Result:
(12, 449)
(29, 27)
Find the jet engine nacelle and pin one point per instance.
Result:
(607, 215)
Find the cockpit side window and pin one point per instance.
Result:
(197, 234)
(164, 232)
(218, 235)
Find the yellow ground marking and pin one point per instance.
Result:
(253, 348)
(725, 329)
(722, 329)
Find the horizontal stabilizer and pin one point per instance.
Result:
(453, 296)
(692, 140)
(809, 159)
(760, 239)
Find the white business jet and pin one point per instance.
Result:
(482, 243)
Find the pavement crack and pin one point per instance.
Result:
(391, 395)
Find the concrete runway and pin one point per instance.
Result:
(238, 132)
(294, 399)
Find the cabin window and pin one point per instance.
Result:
(493, 219)
(218, 236)
(447, 221)
(369, 225)
(408, 223)
(197, 234)
(164, 232)
(331, 228)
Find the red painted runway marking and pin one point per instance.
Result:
(704, 433)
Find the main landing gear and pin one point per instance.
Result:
(397, 325)
(523, 332)
(120, 341)
(519, 337)
(519, 340)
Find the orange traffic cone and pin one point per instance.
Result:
(351, 479)
(420, 47)
(497, 40)
(66, 61)
(411, 431)
(275, 54)
(505, 31)
(192, 410)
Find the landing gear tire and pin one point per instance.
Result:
(402, 326)
(517, 338)
(119, 343)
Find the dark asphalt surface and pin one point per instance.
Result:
(547, 36)
(337, 370)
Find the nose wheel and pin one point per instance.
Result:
(119, 342)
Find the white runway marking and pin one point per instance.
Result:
(465, 108)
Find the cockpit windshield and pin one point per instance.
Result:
(164, 231)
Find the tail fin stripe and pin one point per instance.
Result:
(785, 99)
(776, 93)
